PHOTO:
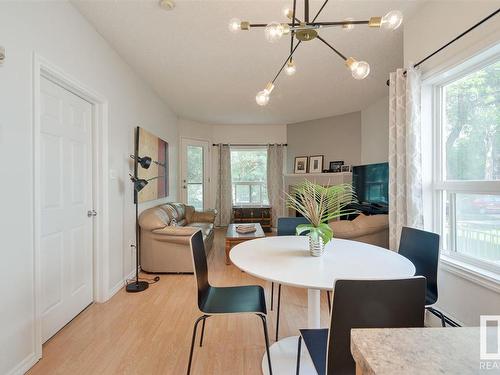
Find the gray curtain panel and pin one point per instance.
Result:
(405, 159)
(224, 196)
(275, 180)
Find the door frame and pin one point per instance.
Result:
(44, 68)
(206, 170)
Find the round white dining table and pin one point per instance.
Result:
(286, 260)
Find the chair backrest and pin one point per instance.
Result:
(287, 225)
(422, 249)
(371, 304)
(200, 266)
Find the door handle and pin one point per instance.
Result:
(91, 213)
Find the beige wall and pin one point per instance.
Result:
(375, 132)
(433, 26)
(337, 138)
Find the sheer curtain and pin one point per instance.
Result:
(405, 159)
(224, 196)
(275, 180)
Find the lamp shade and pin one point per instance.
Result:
(139, 183)
(145, 162)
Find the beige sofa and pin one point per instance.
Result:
(164, 236)
(372, 229)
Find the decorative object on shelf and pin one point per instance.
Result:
(316, 163)
(319, 204)
(157, 169)
(300, 164)
(345, 168)
(336, 166)
(139, 184)
(260, 214)
(306, 30)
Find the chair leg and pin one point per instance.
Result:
(299, 348)
(266, 336)
(278, 312)
(203, 317)
(272, 295)
(329, 300)
(439, 314)
(202, 332)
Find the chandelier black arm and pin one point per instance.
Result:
(320, 10)
(333, 49)
(318, 24)
(293, 24)
(288, 58)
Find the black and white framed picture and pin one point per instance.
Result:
(336, 166)
(316, 164)
(300, 164)
(346, 168)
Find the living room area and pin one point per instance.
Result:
(238, 187)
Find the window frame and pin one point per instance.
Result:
(263, 184)
(440, 185)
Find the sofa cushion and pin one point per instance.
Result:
(206, 228)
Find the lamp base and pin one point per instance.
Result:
(137, 286)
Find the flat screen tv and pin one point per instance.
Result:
(371, 183)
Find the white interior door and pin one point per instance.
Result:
(66, 252)
(194, 172)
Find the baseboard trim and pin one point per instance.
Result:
(25, 365)
(119, 285)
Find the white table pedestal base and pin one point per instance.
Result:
(284, 358)
(313, 308)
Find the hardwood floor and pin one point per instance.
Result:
(150, 332)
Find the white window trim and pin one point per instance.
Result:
(475, 270)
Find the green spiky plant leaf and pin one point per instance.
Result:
(319, 205)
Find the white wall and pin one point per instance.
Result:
(57, 32)
(433, 26)
(375, 132)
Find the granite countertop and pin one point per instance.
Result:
(413, 351)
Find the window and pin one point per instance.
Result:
(467, 162)
(249, 176)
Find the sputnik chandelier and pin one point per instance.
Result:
(307, 30)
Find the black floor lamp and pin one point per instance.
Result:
(139, 184)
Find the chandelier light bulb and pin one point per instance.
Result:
(392, 20)
(359, 69)
(234, 25)
(262, 98)
(274, 31)
(287, 12)
(350, 26)
(290, 68)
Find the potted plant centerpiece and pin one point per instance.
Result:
(319, 205)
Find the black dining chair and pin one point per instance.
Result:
(422, 249)
(223, 300)
(362, 304)
(287, 227)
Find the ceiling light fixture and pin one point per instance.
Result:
(304, 31)
(167, 4)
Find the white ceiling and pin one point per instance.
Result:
(205, 73)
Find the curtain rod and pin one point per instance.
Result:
(250, 144)
(453, 40)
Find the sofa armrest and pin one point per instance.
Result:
(206, 216)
